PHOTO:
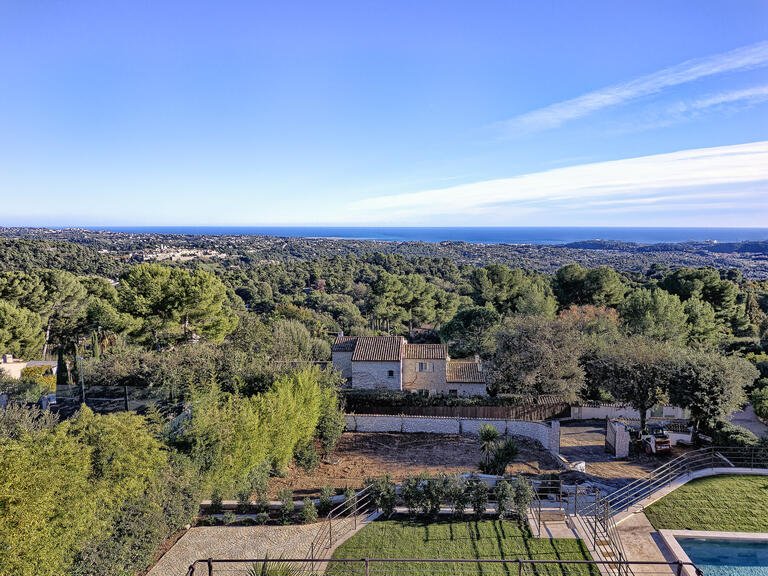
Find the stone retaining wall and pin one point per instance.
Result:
(546, 433)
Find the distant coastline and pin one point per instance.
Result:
(544, 235)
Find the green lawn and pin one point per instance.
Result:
(728, 503)
(456, 539)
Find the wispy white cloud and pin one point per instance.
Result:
(691, 178)
(746, 96)
(661, 116)
(554, 115)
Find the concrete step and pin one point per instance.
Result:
(556, 515)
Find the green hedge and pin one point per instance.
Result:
(359, 400)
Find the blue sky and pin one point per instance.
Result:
(650, 113)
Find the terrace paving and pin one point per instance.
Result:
(234, 542)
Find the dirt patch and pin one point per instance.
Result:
(360, 455)
(585, 440)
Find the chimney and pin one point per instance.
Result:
(479, 363)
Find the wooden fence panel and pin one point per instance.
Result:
(532, 413)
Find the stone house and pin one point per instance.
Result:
(392, 363)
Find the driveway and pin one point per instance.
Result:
(748, 419)
(585, 440)
(234, 542)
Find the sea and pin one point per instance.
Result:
(475, 235)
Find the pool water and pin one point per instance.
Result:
(727, 557)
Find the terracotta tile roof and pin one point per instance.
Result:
(425, 351)
(344, 344)
(464, 372)
(378, 349)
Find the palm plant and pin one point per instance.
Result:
(268, 568)
(488, 437)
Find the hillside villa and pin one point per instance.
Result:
(392, 363)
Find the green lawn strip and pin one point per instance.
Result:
(727, 503)
(457, 539)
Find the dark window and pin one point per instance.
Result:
(390, 374)
(453, 392)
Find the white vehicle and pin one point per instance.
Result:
(655, 439)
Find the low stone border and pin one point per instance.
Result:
(670, 539)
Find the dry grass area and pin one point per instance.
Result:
(360, 455)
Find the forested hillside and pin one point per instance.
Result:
(229, 343)
(751, 258)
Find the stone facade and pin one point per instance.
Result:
(376, 375)
(431, 376)
(343, 361)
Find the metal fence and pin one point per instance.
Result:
(430, 567)
(340, 521)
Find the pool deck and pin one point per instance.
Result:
(670, 538)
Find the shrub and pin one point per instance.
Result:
(244, 501)
(433, 493)
(488, 437)
(350, 496)
(274, 569)
(363, 401)
(286, 505)
(262, 503)
(503, 455)
(325, 503)
(306, 456)
(308, 512)
(331, 424)
(760, 399)
(727, 434)
(456, 493)
(410, 492)
(505, 499)
(216, 500)
(261, 518)
(523, 497)
(383, 493)
(42, 375)
(229, 517)
(478, 494)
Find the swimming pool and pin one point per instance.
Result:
(727, 557)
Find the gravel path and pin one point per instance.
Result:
(234, 542)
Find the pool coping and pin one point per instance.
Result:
(670, 539)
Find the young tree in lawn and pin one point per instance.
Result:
(478, 494)
(505, 498)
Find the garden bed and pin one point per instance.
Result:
(362, 455)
